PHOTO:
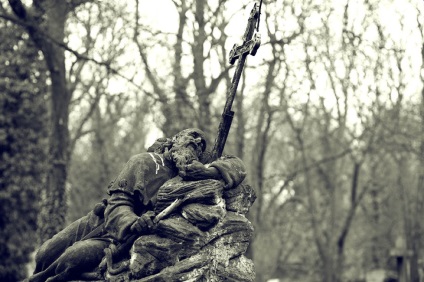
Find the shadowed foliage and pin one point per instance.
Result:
(23, 149)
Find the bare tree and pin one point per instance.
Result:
(187, 101)
(45, 23)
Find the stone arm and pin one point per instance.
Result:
(228, 168)
(120, 215)
(131, 194)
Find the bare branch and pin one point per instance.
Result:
(157, 89)
(72, 4)
(354, 204)
(27, 23)
(14, 19)
(19, 9)
(79, 132)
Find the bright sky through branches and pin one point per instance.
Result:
(159, 22)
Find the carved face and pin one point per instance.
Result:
(187, 146)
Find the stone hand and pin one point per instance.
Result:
(196, 171)
(144, 224)
(99, 208)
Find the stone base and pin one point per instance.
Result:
(205, 240)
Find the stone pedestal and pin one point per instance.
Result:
(205, 239)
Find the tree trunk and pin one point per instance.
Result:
(52, 215)
(198, 72)
(46, 25)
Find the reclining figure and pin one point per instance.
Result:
(78, 250)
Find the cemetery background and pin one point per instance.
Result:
(329, 121)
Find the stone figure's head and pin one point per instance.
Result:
(183, 148)
(187, 146)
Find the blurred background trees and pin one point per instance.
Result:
(23, 146)
(330, 120)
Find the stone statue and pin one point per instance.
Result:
(123, 239)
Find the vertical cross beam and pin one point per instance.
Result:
(240, 53)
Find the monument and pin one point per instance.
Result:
(174, 213)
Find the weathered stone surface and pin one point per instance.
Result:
(150, 253)
(203, 216)
(210, 264)
(179, 229)
(239, 269)
(232, 223)
(203, 191)
(190, 269)
(240, 198)
(170, 253)
(203, 240)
